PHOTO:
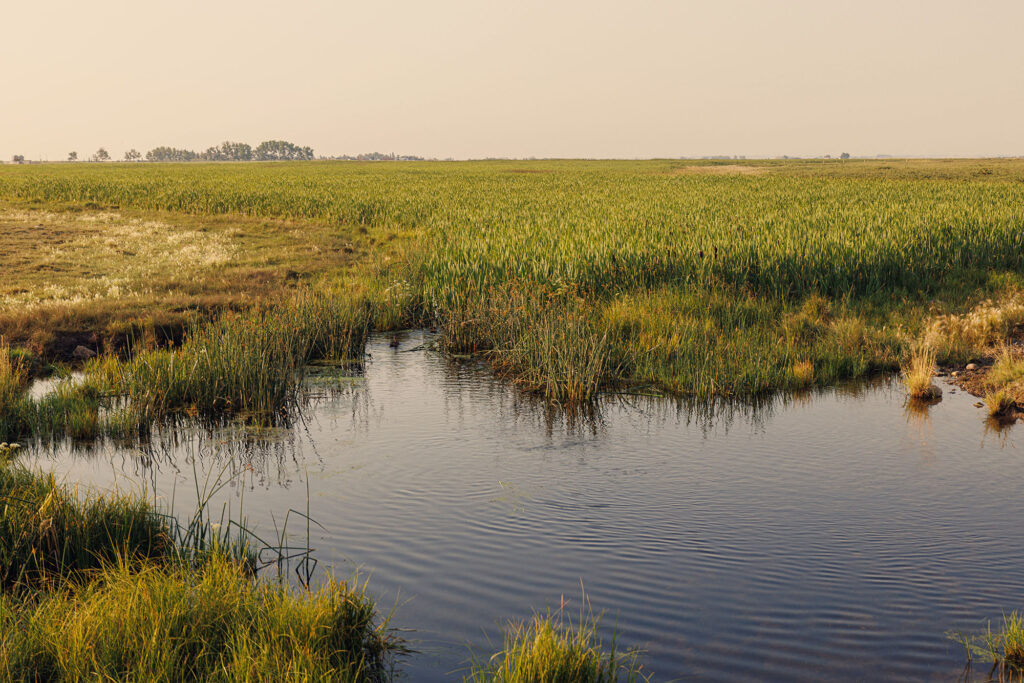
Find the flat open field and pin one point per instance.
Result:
(571, 276)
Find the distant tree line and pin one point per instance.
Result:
(377, 156)
(269, 150)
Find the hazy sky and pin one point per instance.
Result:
(477, 78)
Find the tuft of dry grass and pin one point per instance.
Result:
(977, 332)
(998, 402)
(803, 373)
(1004, 383)
(918, 371)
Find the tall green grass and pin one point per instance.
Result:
(48, 534)
(13, 382)
(247, 363)
(584, 276)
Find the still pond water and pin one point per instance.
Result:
(834, 536)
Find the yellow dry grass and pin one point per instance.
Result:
(724, 169)
(918, 371)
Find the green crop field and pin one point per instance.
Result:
(571, 277)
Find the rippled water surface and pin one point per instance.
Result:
(829, 537)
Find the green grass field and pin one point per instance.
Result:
(572, 277)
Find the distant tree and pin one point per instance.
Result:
(236, 151)
(132, 155)
(72, 156)
(101, 155)
(280, 150)
(18, 158)
(212, 154)
(844, 155)
(170, 154)
(228, 151)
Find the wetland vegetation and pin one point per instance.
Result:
(108, 586)
(570, 277)
(206, 290)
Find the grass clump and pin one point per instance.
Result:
(48, 534)
(803, 373)
(1004, 383)
(998, 402)
(1003, 647)
(178, 623)
(248, 364)
(551, 649)
(918, 372)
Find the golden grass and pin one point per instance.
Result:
(1004, 383)
(724, 169)
(803, 373)
(978, 331)
(551, 648)
(918, 372)
(998, 402)
(102, 277)
(211, 623)
(106, 587)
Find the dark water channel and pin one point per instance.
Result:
(834, 536)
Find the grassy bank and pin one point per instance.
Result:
(106, 587)
(579, 277)
(174, 623)
(981, 350)
(248, 365)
